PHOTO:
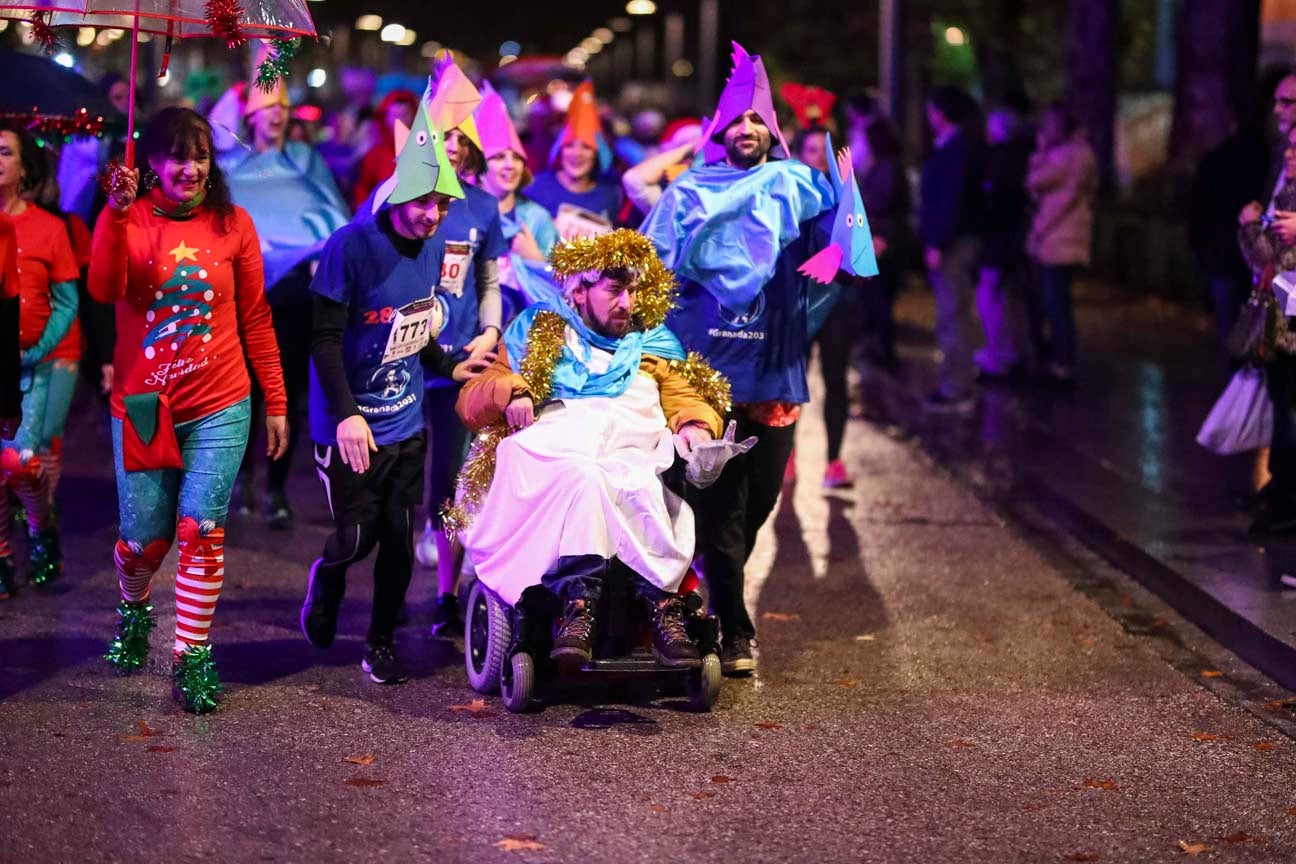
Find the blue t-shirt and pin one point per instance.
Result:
(604, 199)
(469, 234)
(761, 350)
(362, 268)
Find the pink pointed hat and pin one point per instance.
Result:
(494, 125)
(454, 99)
(748, 89)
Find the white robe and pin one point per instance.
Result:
(584, 480)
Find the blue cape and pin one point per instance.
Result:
(572, 378)
(724, 227)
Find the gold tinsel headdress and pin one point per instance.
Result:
(622, 249)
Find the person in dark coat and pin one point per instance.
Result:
(950, 212)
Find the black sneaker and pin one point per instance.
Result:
(320, 609)
(278, 515)
(671, 643)
(381, 664)
(939, 403)
(736, 656)
(574, 644)
(445, 618)
(243, 498)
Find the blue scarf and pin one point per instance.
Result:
(724, 228)
(572, 378)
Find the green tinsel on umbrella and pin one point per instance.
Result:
(194, 679)
(129, 649)
(275, 65)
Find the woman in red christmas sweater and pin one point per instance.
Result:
(47, 275)
(183, 266)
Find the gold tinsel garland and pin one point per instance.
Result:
(626, 249)
(709, 384)
(544, 346)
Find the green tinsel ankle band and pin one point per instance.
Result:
(196, 684)
(129, 648)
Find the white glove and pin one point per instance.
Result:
(707, 460)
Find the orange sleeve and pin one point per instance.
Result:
(109, 259)
(482, 400)
(255, 324)
(680, 402)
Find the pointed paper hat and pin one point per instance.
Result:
(583, 125)
(258, 98)
(454, 99)
(422, 165)
(495, 127)
(748, 89)
(812, 105)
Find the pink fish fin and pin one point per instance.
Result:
(823, 266)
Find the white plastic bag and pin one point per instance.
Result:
(1242, 418)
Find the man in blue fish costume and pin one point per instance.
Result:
(735, 229)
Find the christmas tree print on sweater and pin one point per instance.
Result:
(180, 309)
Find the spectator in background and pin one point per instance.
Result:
(1279, 513)
(1227, 177)
(380, 159)
(579, 158)
(1000, 290)
(885, 191)
(950, 213)
(1063, 179)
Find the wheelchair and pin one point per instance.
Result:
(506, 648)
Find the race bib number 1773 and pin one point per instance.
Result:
(410, 329)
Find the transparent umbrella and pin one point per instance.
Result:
(232, 20)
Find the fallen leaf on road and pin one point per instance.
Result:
(1193, 848)
(1275, 705)
(957, 743)
(144, 734)
(362, 782)
(845, 682)
(519, 843)
(1160, 623)
(1212, 673)
(768, 725)
(1204, 736)
(781, 616)
(702, 796)
(1082, 856)
(658, 808)
(1241, 837)
(157, 748)
(366, 760)
(1109, 785)
(1085, 641)
(1264, 745)
(1291, 811)
(721, 778)
(867, 637)
(476, 706)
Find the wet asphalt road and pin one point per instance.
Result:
(932, 688)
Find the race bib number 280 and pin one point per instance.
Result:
(411, 330)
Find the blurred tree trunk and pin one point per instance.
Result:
(1215, 78)
(1092, 49)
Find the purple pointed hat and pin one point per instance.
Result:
(748, 89)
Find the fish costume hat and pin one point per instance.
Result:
(851, 247)
(422, 165)
(583, 125)
(748, 89)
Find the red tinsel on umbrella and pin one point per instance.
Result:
(225, 17)
(43, 33)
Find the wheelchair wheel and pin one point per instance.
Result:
(519, 686)
(486, 639)
(704, 683)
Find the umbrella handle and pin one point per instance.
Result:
(130, 111)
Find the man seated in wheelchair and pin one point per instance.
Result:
(585, 407)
